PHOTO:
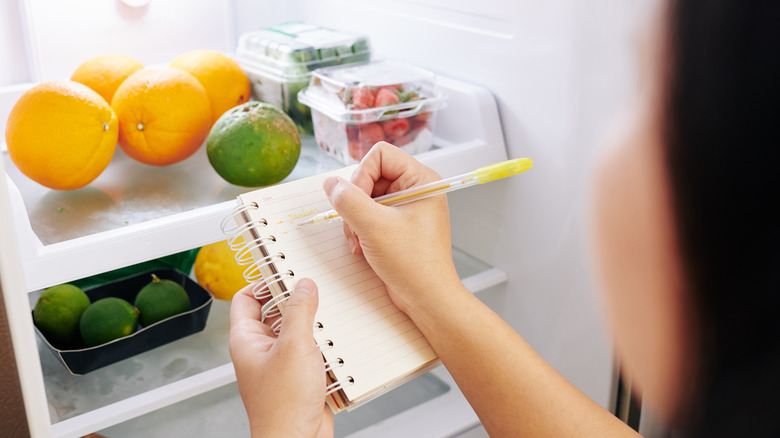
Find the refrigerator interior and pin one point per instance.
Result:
(523, 78)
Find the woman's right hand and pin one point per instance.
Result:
(408, 246)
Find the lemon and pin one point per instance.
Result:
(217, 271)
(57, 313)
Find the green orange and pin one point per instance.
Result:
(58, 311)
(254, 144)
(161, 299)
(108, 319)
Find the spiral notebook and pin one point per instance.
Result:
(369, 346)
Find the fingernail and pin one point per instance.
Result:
(329, 184)
(352, 244)
(305, 285)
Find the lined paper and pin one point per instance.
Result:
(380, 346)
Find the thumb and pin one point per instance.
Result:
(352, 203)
(299, 310)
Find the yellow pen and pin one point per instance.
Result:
(482, 175)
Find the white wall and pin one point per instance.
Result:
(63, 34)
(13, 59)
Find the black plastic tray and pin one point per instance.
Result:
(83, 360)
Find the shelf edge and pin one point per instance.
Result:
(483, 280)
(144, 403)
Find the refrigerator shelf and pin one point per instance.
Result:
(189, 367)
(134, 212)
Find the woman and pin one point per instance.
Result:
(687, 242)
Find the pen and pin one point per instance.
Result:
(482, 175)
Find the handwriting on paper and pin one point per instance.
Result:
(302, 214)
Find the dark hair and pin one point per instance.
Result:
(722, 131)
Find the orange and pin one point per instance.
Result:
(217, 271)
(254, 144)
(225, 82)
(61, 134)
(105, 73)
(164, 115)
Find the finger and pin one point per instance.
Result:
(245, 314)
(244, 306)
(387, 168)
(352, 240)
(299, 310)
(352, 203)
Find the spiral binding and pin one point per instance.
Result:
(323, 344)
(228, 220)
(252, 272)
(277, 326)
(262, 289)
(339, 385)
(330, 365)
(243, 255)
(233, 241)
(271, 308)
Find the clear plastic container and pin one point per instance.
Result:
(279, 61)
(356, 106)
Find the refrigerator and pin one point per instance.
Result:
(522, 79)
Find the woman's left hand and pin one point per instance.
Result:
(281, 379)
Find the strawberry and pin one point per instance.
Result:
(356, 151)
(395, 128)
(366, 136)
(353, 132)
(394, 87)
(408, 138)
(363, 98)
(422, 117)
(386, 97)
(370, 134)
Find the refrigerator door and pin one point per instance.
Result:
(558, 71)
(547, 76)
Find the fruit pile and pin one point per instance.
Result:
(399, 131)
(63, 134)
(67, 318)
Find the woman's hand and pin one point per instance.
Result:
(281, 379)
(408, 246)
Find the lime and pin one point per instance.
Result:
(108, 319)
(254, 144)
(57, 313)
(161, 299)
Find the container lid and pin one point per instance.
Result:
(372, 91)
(294, 49)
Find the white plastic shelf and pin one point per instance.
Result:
(134, 212)
(189, 367)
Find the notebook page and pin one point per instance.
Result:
(377, 342)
